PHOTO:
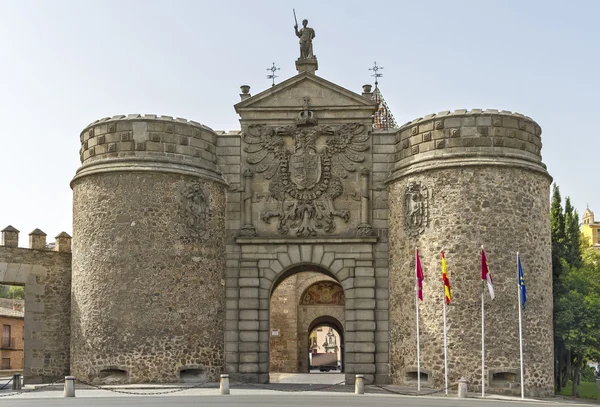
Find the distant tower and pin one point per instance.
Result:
(383, 119)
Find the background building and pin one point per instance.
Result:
(12, 314)
(591, 229)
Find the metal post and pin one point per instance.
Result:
(224, 384)
(16, 381)
(598, 386)
(359, 384)
(69, 386)
(463, 388)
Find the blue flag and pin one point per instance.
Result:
(522, 288)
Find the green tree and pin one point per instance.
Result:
(557, 233)
(572, 237)
(577, 313)
(16, 292)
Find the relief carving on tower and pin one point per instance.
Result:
(417, 198)
(195, 211)
(305, 177)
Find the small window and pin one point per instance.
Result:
(5, 363)
(412, 376)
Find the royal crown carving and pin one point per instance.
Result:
(306, 175)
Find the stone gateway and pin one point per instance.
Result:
(198, 252)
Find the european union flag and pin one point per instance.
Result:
(522, 288)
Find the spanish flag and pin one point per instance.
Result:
(445, 279)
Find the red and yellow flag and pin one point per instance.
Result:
(445, 279)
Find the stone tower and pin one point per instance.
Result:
(462, 180)
(148, 255)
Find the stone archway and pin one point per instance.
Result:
(296, 300)
(329, 309)
(265, 263)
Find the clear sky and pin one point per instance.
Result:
(64, 64)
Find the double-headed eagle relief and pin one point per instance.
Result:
(305, 176)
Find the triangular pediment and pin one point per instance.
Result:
(290, 93)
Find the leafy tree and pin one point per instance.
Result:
(572, 242)
(577, 313)
(16, 292)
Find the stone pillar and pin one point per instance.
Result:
(63, 243)
(364, 229)
(149, 233)
(10, 237)
(462, 180)
(37, 240)
(248, 229)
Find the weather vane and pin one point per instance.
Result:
(376, 73)
(272, 75)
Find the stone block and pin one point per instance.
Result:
(365, 315)
(249, 315)
(363, 292)
(249, 336)
(294, 254)
(382, 368)
(364, 336)
(364, 272)
(306, 253)
(317, 254)
(361, 326)
(364, 303)
(249, 347)
(231, 357)
(248, 326)
(232, 347)
(248, 293)
(362, 368)
(248, 368)
(382, 357)
(249, 303)
(365, 283)
(364, 358)
(249, 282)
(249, 357)
(328, 258)
(382, 347)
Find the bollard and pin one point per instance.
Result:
(224, 384)
(69, 386)
(16, 381)
(598, 386)
(462, 388)
(359, 384)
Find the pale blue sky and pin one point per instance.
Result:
(65, 64)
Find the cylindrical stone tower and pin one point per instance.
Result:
(462, 180)
(148, 252)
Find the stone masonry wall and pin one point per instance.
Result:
(148, 294)
(283, 348)
(493, 193)
(46, 276)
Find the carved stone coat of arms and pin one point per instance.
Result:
(305, 179)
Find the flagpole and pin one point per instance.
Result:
(417, 308)
(482, 338)
(445, 345)
(520, 329)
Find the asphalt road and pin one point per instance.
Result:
(261, 400)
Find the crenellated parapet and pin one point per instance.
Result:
(37, 240)
(148, 143)
(465, 137)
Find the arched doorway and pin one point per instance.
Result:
(300, 298)
(325, 338)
